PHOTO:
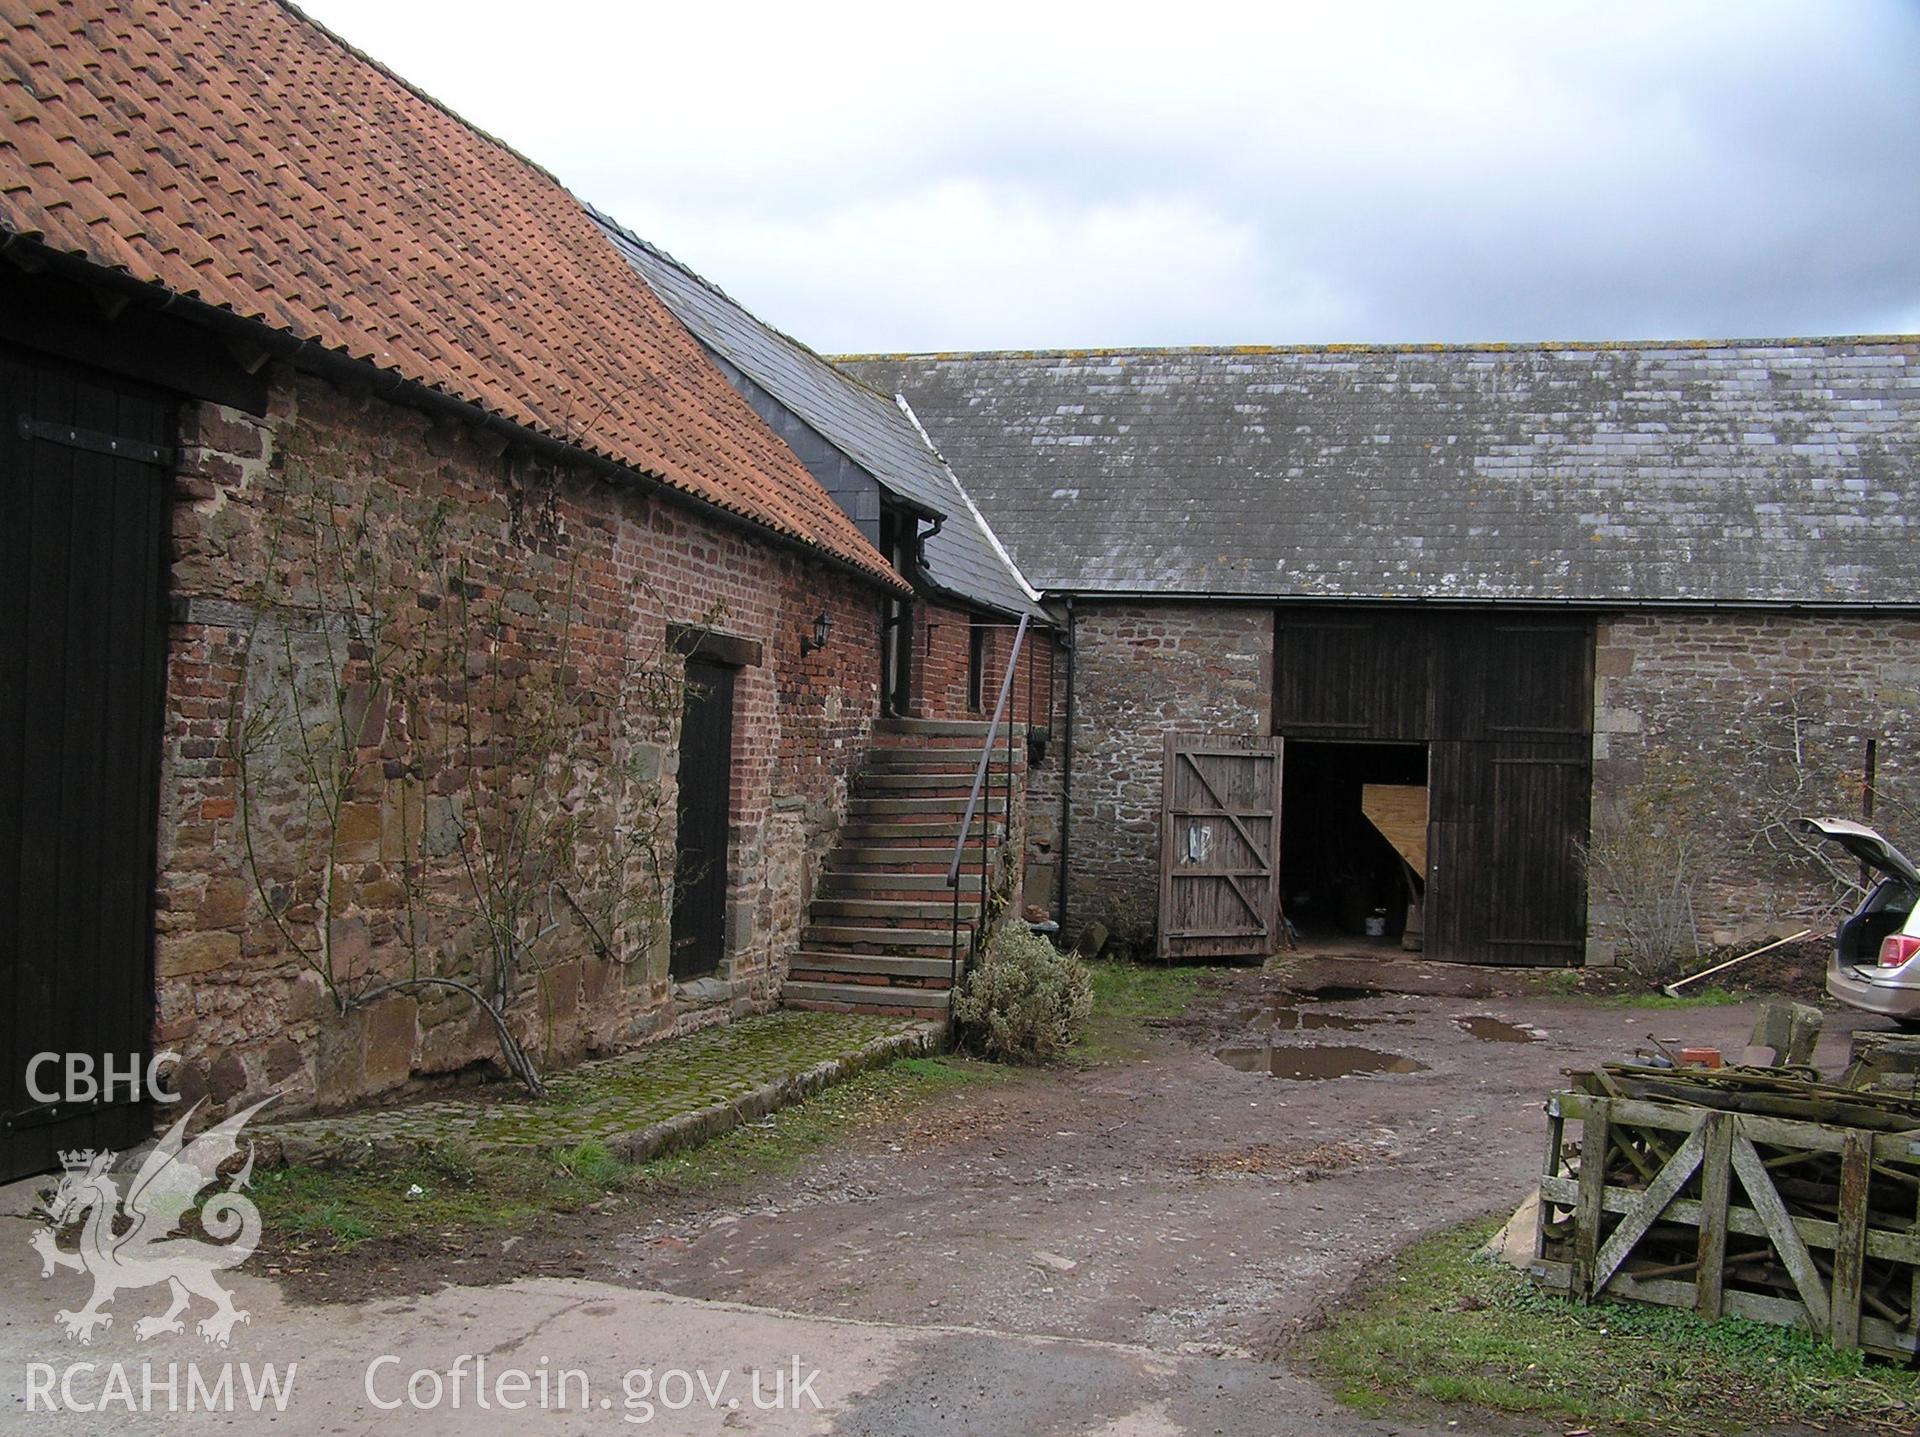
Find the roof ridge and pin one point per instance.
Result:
(953, 475)
(1411, 347)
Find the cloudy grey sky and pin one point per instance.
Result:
(1040, 174)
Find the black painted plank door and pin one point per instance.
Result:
(82, 671)
(705, 807)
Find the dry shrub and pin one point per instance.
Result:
(1641, 867)
(1026, 1002)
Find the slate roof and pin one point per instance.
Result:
(869, 427)
(1744, 472)
(235, 152)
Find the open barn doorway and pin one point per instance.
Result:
(1340, 873)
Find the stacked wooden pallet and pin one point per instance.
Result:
(1761, 1192)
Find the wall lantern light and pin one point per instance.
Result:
(822, 628)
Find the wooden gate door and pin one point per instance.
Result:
(699, 932)
(1220, 847)
(83, 492)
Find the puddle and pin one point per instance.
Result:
(1284, 1018)
(1306, 1065)
(1336, 993)
(1497, 1030)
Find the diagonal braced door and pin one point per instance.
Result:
(1220, 847)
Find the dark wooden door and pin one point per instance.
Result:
(699, 934)
(1511, 780)
(1220, 847)
(83, 492)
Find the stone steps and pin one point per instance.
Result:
(923, 733)
(866, 998)
(916, 832)
(939, 760)
(899, 857)
(930, 972)
(867, 883)
(855, 938)
(886, 785)
(879, 936)
(911, 914)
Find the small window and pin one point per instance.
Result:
(976, 663)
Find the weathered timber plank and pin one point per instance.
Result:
(1644, 1213)
(1556, 1133)
(1715, 1181)
(1786, 1237)
(1901, 1148)
(1850, 1244)
(1593, 1189)
(1882, 1243)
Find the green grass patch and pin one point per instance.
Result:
(1125, 997)
(787, 1138)
(1448, 1327)
(440, 1188)
(453, 1187)
(1134, 992)
(1581, 983)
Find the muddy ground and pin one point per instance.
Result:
(1168, 1198)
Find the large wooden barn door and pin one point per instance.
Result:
(83, 491)
(1220, 847)
(1511, 781)
(1504, 704)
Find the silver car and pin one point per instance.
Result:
(1876, 952)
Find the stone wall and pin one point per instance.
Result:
(1730, 725)
(1141, 673)
(484, 625)
(1721, 726)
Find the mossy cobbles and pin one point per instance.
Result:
(673, 1093)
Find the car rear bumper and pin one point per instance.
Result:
(1891, 1000)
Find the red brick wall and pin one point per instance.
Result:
(942, 639)
(574, 569)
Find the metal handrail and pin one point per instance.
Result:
(973, 805)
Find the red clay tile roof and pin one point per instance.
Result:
(235, 152)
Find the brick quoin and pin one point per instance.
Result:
(239, 1006)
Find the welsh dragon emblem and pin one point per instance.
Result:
(132, 1240)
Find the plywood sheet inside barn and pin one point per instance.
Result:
(1399, 811)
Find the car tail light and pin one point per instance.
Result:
(1897, 949)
